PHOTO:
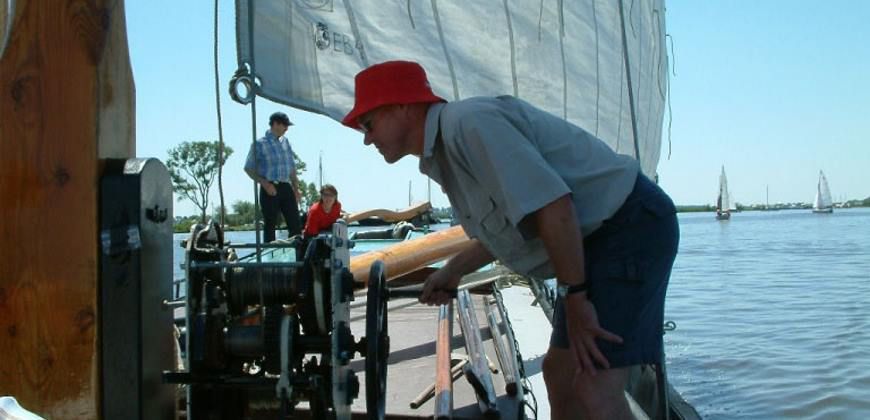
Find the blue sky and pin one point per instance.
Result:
(775, 90)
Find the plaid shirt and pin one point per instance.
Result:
(274, 158)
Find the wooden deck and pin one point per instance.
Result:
(412, 329)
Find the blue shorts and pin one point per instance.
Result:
(628, 263)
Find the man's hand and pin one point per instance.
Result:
(269, 188)
(436, 286)
(583, 329)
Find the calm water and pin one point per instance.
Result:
(772, 313)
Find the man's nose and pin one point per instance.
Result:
(367, 139)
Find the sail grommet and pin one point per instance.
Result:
(244, 80)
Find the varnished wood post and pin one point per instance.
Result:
(443, 372)
(66, 101)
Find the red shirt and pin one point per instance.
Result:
(319, 220)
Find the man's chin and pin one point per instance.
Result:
(391, 159)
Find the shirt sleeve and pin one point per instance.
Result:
(249, 161)
(508, 165)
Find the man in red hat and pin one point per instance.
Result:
(547, 199)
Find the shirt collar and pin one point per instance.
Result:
(271, 136)
(433, 117)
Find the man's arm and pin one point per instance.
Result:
(558, 229)
(294, 181)
(474, 256)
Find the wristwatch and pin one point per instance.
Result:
(563, 290)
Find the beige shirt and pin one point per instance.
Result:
(500, 159)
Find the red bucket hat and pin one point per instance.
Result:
(389, 83)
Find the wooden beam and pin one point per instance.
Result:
(408, 256)
(64, 71)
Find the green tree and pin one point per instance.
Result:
(244, 210)
(193, 169)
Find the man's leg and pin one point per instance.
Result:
(290, 209)
(269, 207)
(576, 395)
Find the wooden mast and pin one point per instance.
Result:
(66, 103)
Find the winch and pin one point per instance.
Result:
(270, 332)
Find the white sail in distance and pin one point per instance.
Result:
(566, 57)
(823, 200)
(724, 200)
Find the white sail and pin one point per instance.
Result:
(823, 200)
(567, 57)
(723, 203)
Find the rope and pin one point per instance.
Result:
(217, 98)
(254, 145)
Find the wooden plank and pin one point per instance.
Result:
(54, 83)
(389, 215)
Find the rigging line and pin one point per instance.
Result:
(540, 18)
(628, 80)
(446, 52)
(258, 249)
(217, 98)
(252, 63)
(507, 14)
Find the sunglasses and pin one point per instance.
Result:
(365, 125)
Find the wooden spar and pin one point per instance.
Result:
(407, 256)
(66, 103)
(477, 371)
(389, 215)
(443, 373)
(505, 360)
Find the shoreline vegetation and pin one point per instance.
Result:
(245, 220)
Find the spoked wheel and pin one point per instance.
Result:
(377, 342)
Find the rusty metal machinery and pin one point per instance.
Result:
(269, 334)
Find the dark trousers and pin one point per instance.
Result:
(285, 202)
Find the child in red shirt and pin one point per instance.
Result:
(324, 212)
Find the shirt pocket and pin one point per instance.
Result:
(498, 232)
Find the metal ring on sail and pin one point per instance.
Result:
(248, 82)
(7, 15)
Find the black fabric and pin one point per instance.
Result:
(284, 202)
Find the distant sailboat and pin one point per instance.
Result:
(823, 202)
(723, 202)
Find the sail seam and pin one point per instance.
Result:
(597, 70)
(410, 16)
(354, 27)
(446, 52)
(628, 80)
(564, 64)
(507, 14)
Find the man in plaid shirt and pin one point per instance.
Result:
(270, 164)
